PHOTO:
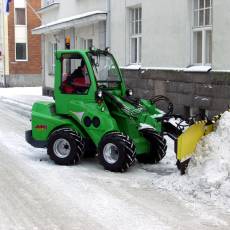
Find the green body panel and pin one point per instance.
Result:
(45, 121)
(130, 123)
(72, 110)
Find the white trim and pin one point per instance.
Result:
(74, 21)
(21, 60)
(16, 17)
(142, 69)
(26, 35)
(203, 30)
(136, 34)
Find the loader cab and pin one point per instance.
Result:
(80, 74)
(106, 71)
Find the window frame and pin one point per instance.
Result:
(204, 29)
(61, 80)
(24, 42)
(52, 59)
(15, 16)
(21, 60)
(86, 43)
(134, 35)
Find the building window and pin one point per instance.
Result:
(135, 35)
(87, 43)
(21, 51)
(20, 16)
(202, 32)
(53, 49)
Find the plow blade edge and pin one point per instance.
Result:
(187, 142)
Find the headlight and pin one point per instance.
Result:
(129, 92)
(99, 94)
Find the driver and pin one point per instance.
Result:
(78, 80)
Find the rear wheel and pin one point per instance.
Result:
(65, 147)
(158, 147)
(116, 152)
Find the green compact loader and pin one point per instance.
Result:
(95, 114)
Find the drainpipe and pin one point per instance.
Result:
(108, 24)
(3, 45)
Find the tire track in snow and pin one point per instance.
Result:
(16, 106)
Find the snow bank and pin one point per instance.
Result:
(210, 166)
(14, 91)
(207, 179)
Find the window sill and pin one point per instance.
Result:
(21, 60)
(198, 69)
(132, 67)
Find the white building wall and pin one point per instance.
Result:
(167, 33)
(4, 47)
(72, 7)
(1, 41)
(119, 31)
(221, 35)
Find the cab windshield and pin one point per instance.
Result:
(105, 69)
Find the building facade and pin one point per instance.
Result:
(171, 34)
(176, 48)
(69, 25)
(21, 51)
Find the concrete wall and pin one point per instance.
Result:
(21, 80)
(189, 92)
(207, 91)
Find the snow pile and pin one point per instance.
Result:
(210, 166)
(207, 179)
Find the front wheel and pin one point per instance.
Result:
(65, 147)
(116, 152)
(158, 147)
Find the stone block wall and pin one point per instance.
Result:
(209, 92)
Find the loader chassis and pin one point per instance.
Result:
(99, 117)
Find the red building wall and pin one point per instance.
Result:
(33, 65)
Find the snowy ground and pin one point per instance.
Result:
(37, 194)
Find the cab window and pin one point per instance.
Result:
(75, 77)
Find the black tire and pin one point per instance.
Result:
(62, 140)
(158, 147)
(124, 152)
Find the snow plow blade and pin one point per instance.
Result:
(187, 142)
